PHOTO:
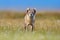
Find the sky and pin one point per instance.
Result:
(23, 4)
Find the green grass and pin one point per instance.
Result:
(19, 35)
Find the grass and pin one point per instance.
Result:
(47, 27)
(19, 35)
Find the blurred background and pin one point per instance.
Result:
(19, 6)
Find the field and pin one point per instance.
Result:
(47, 26)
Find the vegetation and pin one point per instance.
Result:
(47, 26)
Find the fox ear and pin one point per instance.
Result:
(34, 10)
(27, 9)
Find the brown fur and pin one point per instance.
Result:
(28, 20)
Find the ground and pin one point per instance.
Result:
(47, 27)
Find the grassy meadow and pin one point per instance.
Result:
(47, 26)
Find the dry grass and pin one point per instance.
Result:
(47, 27)
(44, 21)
